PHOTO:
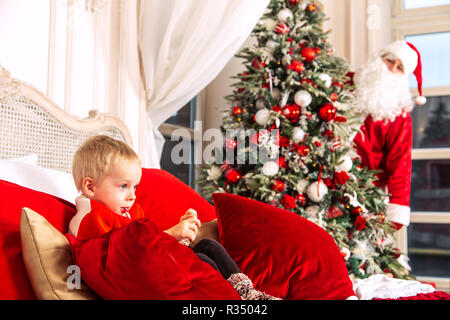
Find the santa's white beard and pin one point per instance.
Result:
(381, 93)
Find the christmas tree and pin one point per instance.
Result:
(290, 110)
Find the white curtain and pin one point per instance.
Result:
(184, 44)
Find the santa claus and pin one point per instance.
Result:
(385, 142)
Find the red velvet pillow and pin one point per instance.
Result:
(139, 261)
(284, 254)
(165, 199)
(13, 276)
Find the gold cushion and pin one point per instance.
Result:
(47, 257)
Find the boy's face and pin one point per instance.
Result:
(116, 188)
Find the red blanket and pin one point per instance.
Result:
(138, 261)
(436, 295)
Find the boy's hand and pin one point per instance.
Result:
(187, 228)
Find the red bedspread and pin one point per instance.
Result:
(436, 295)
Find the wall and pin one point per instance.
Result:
(79, 53)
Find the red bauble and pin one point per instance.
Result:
(304, 82)
(303, 150)
(276, 109)
(278, 186)
(232, 176)
(328, 134)
(340, 177)
(357, 211)
(297, 65)
(237, 111)
(360, 223)
(301, 200)
(292, 112)
(327, 112)
(288, 202)
(334, 96)
(284, 142)
(334, 212)
(230, 143)
(282, 162)
(258, 63)
(282, 28)
(312, 7)
(225, 166)
(308, 54)
(396, 253)
(244, 76)
(294, 2)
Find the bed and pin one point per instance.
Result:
(39, 260)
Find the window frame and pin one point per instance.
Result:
(399, 10)
(414, 22)
(192, 134)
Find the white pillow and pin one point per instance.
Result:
(53, 182)
(30, 159)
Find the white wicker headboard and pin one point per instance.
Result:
(32, 124)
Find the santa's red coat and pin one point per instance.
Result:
(387, 146)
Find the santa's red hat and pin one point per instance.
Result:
(410, 57)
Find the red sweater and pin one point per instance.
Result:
(99, 219)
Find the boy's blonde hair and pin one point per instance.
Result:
(96, 155)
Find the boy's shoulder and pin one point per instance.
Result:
(88, 209)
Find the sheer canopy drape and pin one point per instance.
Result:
(184, 44)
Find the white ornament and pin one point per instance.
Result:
(269, 24)
(312, 211)
(298, 134)
(276, 94)
(363, 250)
(326, 79)
(317, 191)
(302, 185)
(214, 173)
(271, 46)
(277, 123)
(285, 14)
(262, 117)
(353, 201)
(345, 165)
(303, 98)
(260, 104)
(270, 168)
(345, 253)
(286, 60)
(403, 260)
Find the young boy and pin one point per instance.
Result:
(107, 172)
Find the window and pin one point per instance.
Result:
(427, 240)
(414, 4)
(183, 166)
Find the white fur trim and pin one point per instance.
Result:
(383, 287)
(405, 53)
(83, 208)
(398, 213)
(420, 100)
